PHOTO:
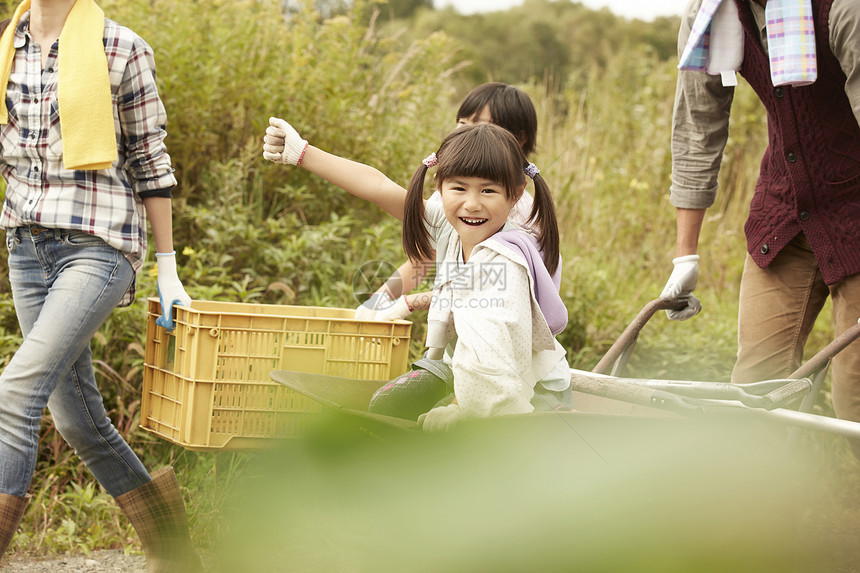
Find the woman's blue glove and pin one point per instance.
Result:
(170, 289)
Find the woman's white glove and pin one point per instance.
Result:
(680, 286)
(380, 306)
(282, 143)
(441, 419)
(170, 289)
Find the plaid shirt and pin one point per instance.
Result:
(106, 203)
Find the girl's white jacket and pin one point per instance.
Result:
(485, 314)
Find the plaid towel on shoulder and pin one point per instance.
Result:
(697, 52)
(791, 42)
(715, 44)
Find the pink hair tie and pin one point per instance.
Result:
(532, 170)
(431, 160)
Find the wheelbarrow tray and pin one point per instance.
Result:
(599, 433)
(352, 396)
(345, 395)
(598, 393)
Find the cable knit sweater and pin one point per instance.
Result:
(810, 173)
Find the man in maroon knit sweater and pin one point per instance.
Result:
(803, 229)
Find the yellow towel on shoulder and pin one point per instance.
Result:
(83, 90)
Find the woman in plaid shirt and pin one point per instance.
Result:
(82, 152)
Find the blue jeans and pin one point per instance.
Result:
(64, 284)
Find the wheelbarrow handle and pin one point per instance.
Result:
(625, 342)
(786, 394)
(778, 392)
(623, 390)
(822, 358)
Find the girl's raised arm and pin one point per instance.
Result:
(283, 144)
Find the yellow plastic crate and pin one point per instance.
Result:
(206, 385)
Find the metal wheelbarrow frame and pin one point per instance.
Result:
(603, 391)
(768, 399)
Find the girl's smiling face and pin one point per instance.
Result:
(477, 208)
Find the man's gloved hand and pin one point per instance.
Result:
(694, 307)
(282, 143)
(680, 286)
(170, 289)
(380, 306)
(441, 419)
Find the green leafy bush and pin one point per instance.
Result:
(248, 230)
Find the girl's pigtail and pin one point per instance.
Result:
(415, 237)
(543, 214)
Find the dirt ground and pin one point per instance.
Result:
(108, 561)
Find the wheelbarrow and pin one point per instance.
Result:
(768, 399)
(638, 477)
(603, 392)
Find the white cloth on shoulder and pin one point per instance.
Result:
(716, 44)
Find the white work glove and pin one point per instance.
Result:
(170, 289)
(282, 143)
(381, 307)
(441, 419)
(680, 286)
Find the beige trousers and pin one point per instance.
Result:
(778, 308)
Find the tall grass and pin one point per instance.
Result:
(247, 230)
(606, 150)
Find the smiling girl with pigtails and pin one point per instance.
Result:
(496, 307)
